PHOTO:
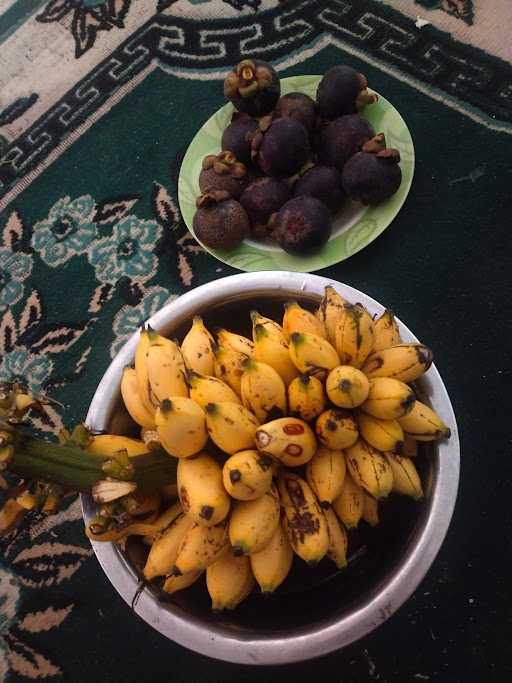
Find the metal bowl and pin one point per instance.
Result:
(316, 610)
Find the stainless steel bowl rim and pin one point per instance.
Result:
(212, 639)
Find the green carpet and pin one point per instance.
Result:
(93, 125)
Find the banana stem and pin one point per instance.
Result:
(74, 468)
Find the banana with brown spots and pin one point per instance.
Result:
(330, 311)
(354, 335)
(336, 428)
(288, 439)
(306, 397)
(298, 319)
(271, 347)
(405, 362)
(349, 505)
(370, 469)
(388, 398)
(384, 435)
(325, 473)
(201, 490)
(312, 354)
(253, 522)
(347, 387)
(206, 389)
(385, 332)
(247, 475)
(197, 348)
(231, 426)
(423, 423)
(200, 547)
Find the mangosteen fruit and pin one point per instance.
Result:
(281, 147)
(340, 139)
(341, 91)
(220, 222)
(236, 137)
(302, 225)
(298, 106)
(261, 199)
(373, 174)
(322, 182)
(253, 87)
(223, 172)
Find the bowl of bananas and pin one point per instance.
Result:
(317, 465)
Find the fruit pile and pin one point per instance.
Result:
(289, 163)
(284, 442)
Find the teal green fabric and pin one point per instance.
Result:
(95, 245)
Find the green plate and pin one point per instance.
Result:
(354, 227)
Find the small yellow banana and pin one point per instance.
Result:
(325, 473)
(181, 426)
(165, 369)
(306, 398)
(229, 367)
(271, 347)
(336, 429)
(347, 387)
(405, 362)
(164, 551)
(349, 505)
(410, 449)
(200, 547)
(288, 439)
(406, 479)
(386, 332)
(263, 391)
(110, 444)
(133, 401)
(370, 469)
(235, 342)
(338, 541)
(384, 435)
(370, 510)
(247, 475)
(173, 584)
(206, 389)
(197, 348)
(305, 524)
(229, 581)
(201, 491)
(423, 423)
(312, 354)
(231, 426)
(298, 319)
(354, 335)
(141, 371)
(330, 311)
(272, 565)
(388, 398)
(253, 522)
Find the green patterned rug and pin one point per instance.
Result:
(99, 100)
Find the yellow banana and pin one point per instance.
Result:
(405, 362)
(229, 581)
(133, 402)
(253, 522)
(370, 469)
(181, 426)
(271, 347)
(406, 479)
(235, 342)
(312, 354)
(229, 367)
(423, 424)
(306, 398)
(354, 335)
(338, 541)
(206, 389)
(386, 332)
(325, 473)
(298, 319)
(384, 435)
(336, 428)
(200, 547)
(110, 444)
(173, 584)
(410, 449)
(247, 475)
(231, 426)
(164, 551)
(272, 565)
(197, 348)
(305, 524)
(141, 371)
(349, 505)
(201, 491)
(263, 391)
(164, 520)
(165, 369)
(288, 439)
(329, 312)
(388, 398)
(370, 510)
(347, 387)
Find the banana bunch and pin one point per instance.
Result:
(285, 442)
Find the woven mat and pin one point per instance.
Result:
(98, 101)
